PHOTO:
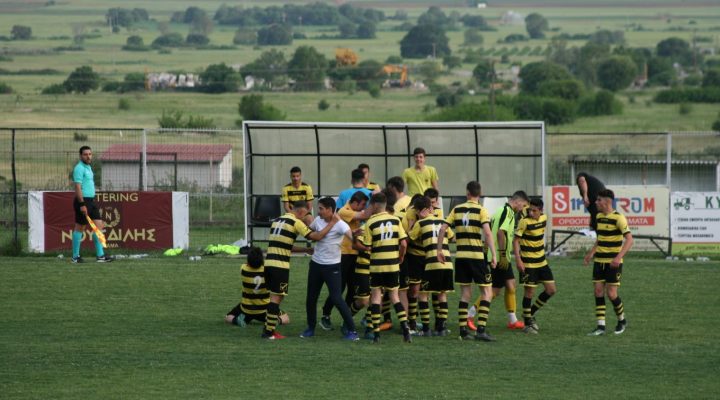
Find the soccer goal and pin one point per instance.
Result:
(502, 156)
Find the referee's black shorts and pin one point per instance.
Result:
(92, 209)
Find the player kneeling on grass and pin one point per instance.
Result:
(283, 232)
(255, 296)
(613, 242)
(529, 248)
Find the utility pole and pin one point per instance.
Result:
(492, 89)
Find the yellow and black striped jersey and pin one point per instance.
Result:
(611, 228)
(347, 214)
(415, 247)
(255, 296)
(401, 205)
(362, 262)
(383, 233)
(283, 232)
(531, 235)
(290, 193)
(426, 231)
(468, 219)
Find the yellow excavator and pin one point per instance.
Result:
(397, 75)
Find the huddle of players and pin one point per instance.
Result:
(403, 253)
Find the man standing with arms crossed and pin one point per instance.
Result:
(614, 240)
(84, 206)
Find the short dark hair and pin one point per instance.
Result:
(419, 150)
(357, 175)
(83, 148)
(474, 188)
(520, 195)
(379, 198)
(299, 204)
(295, 169)
(358, 197)
(363, 166)
(415, 199)
(327, 202)
(396, 183)
(431, 193)
(421, 203)
(255, 257)
(537, 202)
(607, 193)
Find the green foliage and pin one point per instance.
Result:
(82, 80)
(675, 49)
(601, 103)
(134, 81)
(689, 95)
(246, 36)
(535, 73)
(616, 73)
(307, 67)
(80, 137)
(484, 72)
(471, 111)
(11, 248)
(323, 105)
(472, 37)
(20, 32)
(423, 41)
(111, 86)
(135, 43)
(196, 39)
(54, 89)
(346, 84)
(366, 30)
(123, 104)
(253, 108)
(434, 16)
(171, 39)
(716, 125)
(536, 24)
(271, 67)
(5, 88)
(452, 62)
(219, 78)
(311, 14)
(605, 36)
(374, 91)
(553, 111)
(684, 108)
(711, 78)
(475, 21)
(515, 37)
(176, 119)
(569, 89)
(275, 34)
(429, 71)
(190, 15)
(117, 17)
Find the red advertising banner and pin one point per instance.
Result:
(133, 220)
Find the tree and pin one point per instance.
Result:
(366, 30)
(536, 24)
(472, 37)
(616, 73)
(429, 71)
(484, 72)
(535, 73)
(82, 80)
(423, 41)
(135, 41)
(197, 39)
(452, 62)
(367, 74)
(711, 78)
(434, 16)
(20, 32)
(347, 29)
(275, 34)
(474, 21)
(676, 49)
(219, 78)
(202, 24)
(245, 36)
(307, 67)
(134, 81)
(271, 67)
(605, 36)
(565, 89)
(253, 108)
(172, 39)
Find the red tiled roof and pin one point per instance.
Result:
(167, 152)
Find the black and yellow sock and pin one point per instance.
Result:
(483, 312)
(386, 308)
(376, 317)
(424, 309)
(619, 308)
(401, 314)
(354, 308)
(435, 304)
(462, 314)
(600, 310)
(271, 318)
(368, 318)
(526, 303)
(540, 302)
(443, 311)
(412, 308)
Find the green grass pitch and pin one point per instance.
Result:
(153, 328)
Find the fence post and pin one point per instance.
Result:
(16, 244)
(144, 161)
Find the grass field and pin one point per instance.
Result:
(152, 328)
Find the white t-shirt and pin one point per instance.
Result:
(327, 250)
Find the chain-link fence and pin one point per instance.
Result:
(205, 163)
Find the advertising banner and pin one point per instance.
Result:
(133, 220)
(645, 207)
(695, 221)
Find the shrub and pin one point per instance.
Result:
(602, 103)
(690, 95)
(111, 86)
(197, 39)
(11, 248)
(80, 137)
(56, 88)
(684, 108)
(551, 110)
(323, 105)
(5, 88)
(471, 111)
(175, 119)
(716, 125)
(123, 104)
(253, 107)
(569, 89)
(172, 39)
(374, 91)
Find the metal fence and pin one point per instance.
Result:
(208, 165)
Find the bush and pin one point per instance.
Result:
(690, 95)
(80, 137)
(5, 88)
(134, 81)
(123, 104)
(711, 78)
(175, 119)
(245, 36)
(471, 111)
(323, 105)
(374, 91)
(56, 88)
(275, 34)
(111, 86)
(252, 107)
(716, 125)
(11, 248)
(684, 108)
(568, 89)
(172, 39)
(602, 103)
(20, 32)
(196, 39)
(551, 110)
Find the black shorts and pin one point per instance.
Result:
(92, 209)
(361, 289)
(501, 276)
(534, 276)
(468, 270)
(277, 280)
(404, 278)
(385, 280)
(416, 266)
(604, 273)
(437, 281)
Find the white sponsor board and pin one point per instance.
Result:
(646, 209)
(695, 221)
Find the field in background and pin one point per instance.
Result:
(660, 20)
(153, 328)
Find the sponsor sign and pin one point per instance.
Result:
(695, 221)
(646, 209)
